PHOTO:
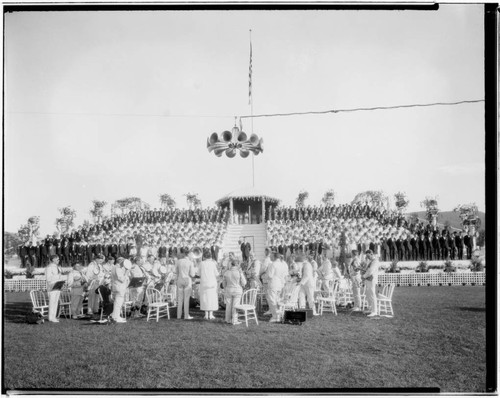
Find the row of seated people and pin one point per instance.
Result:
(346, 211)
(172, 215)
(390, 243)
(161, 241)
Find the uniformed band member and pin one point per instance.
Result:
(370, 277)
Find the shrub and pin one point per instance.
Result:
(422, 267)
(8, 275)
(449, 266)
(394, 267)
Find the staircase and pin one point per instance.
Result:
(254, 233)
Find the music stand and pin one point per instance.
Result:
(58, 285)
(136, 282)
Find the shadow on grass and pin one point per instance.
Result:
(16, 312)
(472, 309)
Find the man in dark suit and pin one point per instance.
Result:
(400, 249)
(436, 248)
(414, 249)
(459, 243)
(443, 244)
(392, 247)
(468, 245)
(452, 247)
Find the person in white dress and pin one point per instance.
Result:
(119, 283)
(208, 285)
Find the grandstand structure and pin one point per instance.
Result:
(255, 217)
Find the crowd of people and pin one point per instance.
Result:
(106, 282)
(389, 242)
(161, 239)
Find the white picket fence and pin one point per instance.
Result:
(403, 279)
(434, 279)
(24, 285)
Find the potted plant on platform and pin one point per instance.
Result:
(393, 269)
(422, 267)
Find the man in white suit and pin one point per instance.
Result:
(94, 275)
(371, 279)
(307, 284)
(276, 273)
(53, 275)
(119, 283)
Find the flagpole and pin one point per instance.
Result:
(250, 97)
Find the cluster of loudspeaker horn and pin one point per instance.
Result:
(233, 141)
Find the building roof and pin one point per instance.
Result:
(247, 193)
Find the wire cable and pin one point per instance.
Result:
(377, 108)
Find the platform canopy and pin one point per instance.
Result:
(245, 194)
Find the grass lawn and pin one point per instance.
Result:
(437, 339)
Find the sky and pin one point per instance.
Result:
(105, 105)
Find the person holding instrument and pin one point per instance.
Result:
(76, 283)
(53, 275)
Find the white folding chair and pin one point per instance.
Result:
(40, 302)
(289, 299)
(127, 304)
(384, 301)
(246, 307)
(328, 302)
(64, 303)
(156, 304)
(344, 292)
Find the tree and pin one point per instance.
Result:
(98, 209)
(66, 221)
(24, 233)
(30, 230)
(193, 201)
(328, 197)
(468, 214)
(431, 206)
(301, 198)
(11, 241)
(401, 201)
(372, 198)
(167, 202)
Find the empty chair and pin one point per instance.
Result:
(156, 304)
(40, 302)
(289, 299)
(364, 303)
(384, 301)
(127, 304)
(246, 307)
(344, 292)
(65, 304)
(328, 301)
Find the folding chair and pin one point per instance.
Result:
(156, 304)
(328, 302)
(65, 304)
(384, 301)
(247, 306)
(40, 302)
(289, 299)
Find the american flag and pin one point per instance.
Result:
(250, 77)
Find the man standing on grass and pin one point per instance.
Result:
(276, 273)
(307, 284)
(53, 275)
(371, 279)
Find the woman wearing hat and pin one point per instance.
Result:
(208, 273)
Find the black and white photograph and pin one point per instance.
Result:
(280, 199)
